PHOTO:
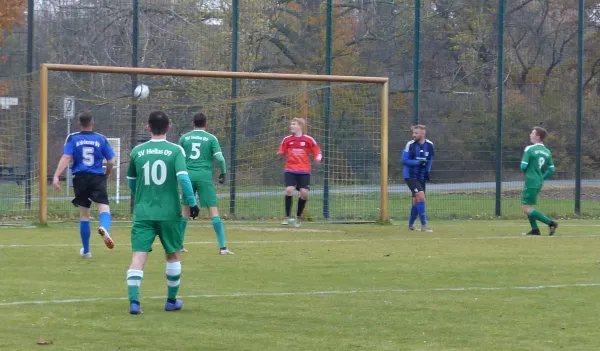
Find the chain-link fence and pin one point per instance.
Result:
(453, 56)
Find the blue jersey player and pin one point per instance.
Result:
(88, 150)
(417, 158)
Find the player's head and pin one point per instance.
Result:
(199, 120)
(537, 135)
(86, 120)
(158, 123)
(418, 132)
(297, 125)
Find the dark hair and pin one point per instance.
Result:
(541, 132)
(158, 122)
(199, 120)
(85, 119)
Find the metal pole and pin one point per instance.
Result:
(417, 61)
(580, 22)
(234, 93)
(134, 82)
(499, 116)
(328, 64)
(28, 113)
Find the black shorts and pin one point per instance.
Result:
(89, 187)
(300, 181)
(415, 186)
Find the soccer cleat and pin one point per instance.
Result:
(533, 232)
(298, 222)
(183, 249)
(285, 221)
(107, 240)
(411, 227)
(85, 255)
(553, 225)
(426, 228)
(135, 308)
(225, 251)
(173, 306)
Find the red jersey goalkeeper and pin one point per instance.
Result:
(297, 147)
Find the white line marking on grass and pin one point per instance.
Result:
(308, 241)
(310, 293)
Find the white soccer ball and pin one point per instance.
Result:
(141, 92)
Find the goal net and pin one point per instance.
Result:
(250, 127)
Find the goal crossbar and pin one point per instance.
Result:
(46, 67)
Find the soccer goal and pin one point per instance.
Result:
(346, 115)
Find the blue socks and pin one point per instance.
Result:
(421, 211)
(219, 230)
(105, 220)
(85, 230)
(413, 215)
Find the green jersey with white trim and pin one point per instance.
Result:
(538, 159)
(155, 166)
(200, 147)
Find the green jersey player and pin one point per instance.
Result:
(538, 165)
(155, 169)
(201, 149)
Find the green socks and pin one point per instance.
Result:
(533, 222)
(173, 279)
(134, 280)
(219, 230)
(535, 214)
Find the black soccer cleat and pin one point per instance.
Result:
(553, 225)
(533, 232)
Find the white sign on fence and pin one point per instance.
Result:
(69, 107)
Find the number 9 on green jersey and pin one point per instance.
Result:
(538, 160)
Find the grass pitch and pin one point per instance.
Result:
(470, 285)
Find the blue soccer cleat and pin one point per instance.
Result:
(135, 308)
(173, 306)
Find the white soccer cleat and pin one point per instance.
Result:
(286, 221)
(183, 249)
(298, 222)
(107, 239)
(87, 255)
(226, 252)
(426, 228)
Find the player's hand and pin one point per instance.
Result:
(56, 184)
(426, 176)
(319, 158)
(194, 211)
(423, 164)
(281, 155)
(222, 178)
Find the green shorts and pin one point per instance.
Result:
(207, 194)
(529, 196)
(170, 234)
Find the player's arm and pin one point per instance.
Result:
(525, 160)
(430, 160)
(131, 175)
(551, 168)
(316, 151)
(405, 158)
(184, 178)
(62, 165)
(109, 155)
(68, 150)
(282, 148)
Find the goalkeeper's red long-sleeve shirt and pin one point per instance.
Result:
(298, 150)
